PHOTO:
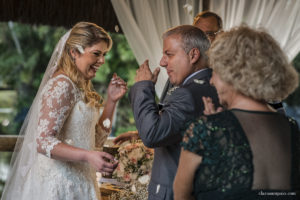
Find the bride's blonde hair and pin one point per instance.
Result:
(82, 35)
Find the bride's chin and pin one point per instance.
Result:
(92, 76)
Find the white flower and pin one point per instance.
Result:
(171, 90)
(106, 123)
(188, 8)
(79, 48)
(144, 179)
(133, 188)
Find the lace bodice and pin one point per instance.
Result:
(64, 117)
(58, 99)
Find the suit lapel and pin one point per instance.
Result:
(199, 78)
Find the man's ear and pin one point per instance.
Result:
(194, 55)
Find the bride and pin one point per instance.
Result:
(55, 159)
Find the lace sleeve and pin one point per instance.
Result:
(193, 136)
(202, 136)
(58, 99)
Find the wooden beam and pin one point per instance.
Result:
(7, 142)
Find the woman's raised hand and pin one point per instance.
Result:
(209, 107)
(116, 88)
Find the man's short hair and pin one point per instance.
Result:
(206, 14)
(192, 37)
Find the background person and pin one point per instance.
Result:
(249, 147)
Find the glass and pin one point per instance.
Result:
(112, 151)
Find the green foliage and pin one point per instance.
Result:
(22, 67)
(294, 98)
(7, 102)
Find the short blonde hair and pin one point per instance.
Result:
(253, 63)
(83, 34)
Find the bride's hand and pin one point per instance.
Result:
(98, 160)
(116, 88)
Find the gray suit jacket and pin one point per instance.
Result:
(161, 129)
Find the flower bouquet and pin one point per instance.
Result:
(135, 163)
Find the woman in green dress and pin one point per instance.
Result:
(247, 151)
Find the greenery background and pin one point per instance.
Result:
(25, 52)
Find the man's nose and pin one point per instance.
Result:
(163, 62)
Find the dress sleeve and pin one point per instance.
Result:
(57, 101)
(193, 137)
(101, 134)
(206, 136)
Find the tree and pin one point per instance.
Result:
(26, 51)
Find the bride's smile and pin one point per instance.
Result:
(89, 60)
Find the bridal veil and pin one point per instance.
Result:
(25, 151)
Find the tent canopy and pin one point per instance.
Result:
(64, 13)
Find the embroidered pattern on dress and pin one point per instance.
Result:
(58, 100)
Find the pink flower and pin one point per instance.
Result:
(126, 177)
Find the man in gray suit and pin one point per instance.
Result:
(211, 24)
(184, 58)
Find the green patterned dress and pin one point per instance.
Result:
(246, 155)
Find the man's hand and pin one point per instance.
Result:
(144, 73)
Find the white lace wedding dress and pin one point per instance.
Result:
(64, 117)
